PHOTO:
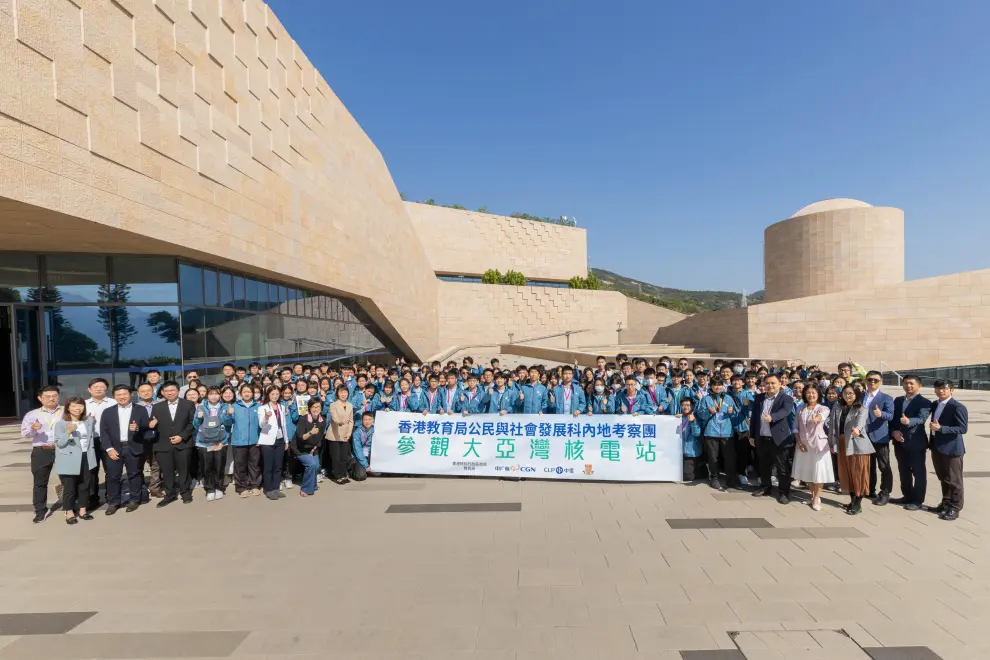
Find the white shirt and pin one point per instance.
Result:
(95, 409)
(84, 438)
(172, 407)
(124, 419)
(939, 408)
(767, 406)
(868, 398)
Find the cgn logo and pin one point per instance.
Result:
(514, 468)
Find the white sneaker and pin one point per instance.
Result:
(287, 483)
(218, 494)
(743, 481)
(319, 478)
(210, 496)
(773, 481)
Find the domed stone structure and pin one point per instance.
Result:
(833, 245)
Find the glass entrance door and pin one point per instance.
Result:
(27, 357)
(8, 387)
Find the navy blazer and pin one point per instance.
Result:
(110, 430)
(954, 421)
(780, 412)
(877, 429)
(917, 412)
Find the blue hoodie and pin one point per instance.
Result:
(361, 440)
(719, 423)
(436, 406)
(474, 404)
(601, 404)
(535, 399)
(226, 421)
(507, 400)
(655, 400)
(577, 401)
(622, 406)
(244, 432)
(691, 437)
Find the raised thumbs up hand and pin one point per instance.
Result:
(230, 410)
(200, 413)
(904, 419)
(133, 426)
(521, 396)
(153, 423)
(876, 412)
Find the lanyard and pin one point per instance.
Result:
(432, 396)
(652, 395)
(402, 401)
(53, 420)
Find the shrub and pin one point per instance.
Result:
(576, 282)
(491, 276)
(591, 282)
(514, 278)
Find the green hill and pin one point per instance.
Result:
(679, 300)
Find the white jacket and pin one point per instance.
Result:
(269, 430)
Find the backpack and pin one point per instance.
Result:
(211, 431)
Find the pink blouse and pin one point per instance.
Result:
(811, 434)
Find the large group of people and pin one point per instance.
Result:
(265, 428)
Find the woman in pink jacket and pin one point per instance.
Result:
(813, 458)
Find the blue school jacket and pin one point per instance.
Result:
(226, 421)
(535, 399)
(674, 397)
(475, 404)
(655, 400)
(621, 405)
(436, 406)
(744, 401)
(691, 437)
(413, 403)
(601, 404)
(719, 423)
(507, 400)
(244, 431)
(556, 402)
(359, 440)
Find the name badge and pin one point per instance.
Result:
(211, 424)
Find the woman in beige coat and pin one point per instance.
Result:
(339, 436)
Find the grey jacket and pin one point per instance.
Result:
(68, 453)
(856, 419)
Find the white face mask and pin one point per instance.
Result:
(651, 381)
(599, 389)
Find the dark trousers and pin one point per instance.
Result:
(880, 460)
(949, 470)
(271, 466)
(727, 448)
(288, 466)
(174, 464)
(745, 454)
(773, 455)
(247, 467)
(211, 464)
(154, 483)
(115, 472)
(74, 484)
(913, 473)
(42, 461)
(339, 454)
(94, 484)
(694, 468)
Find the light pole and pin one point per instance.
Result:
(618, 330)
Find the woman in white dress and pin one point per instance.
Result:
(813, 459)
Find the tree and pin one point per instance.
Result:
(116, 320)
(430, 202)
(483, 209)
(165, 325)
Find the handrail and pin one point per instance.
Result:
(565, 333)
(440, 357)
(884, 364)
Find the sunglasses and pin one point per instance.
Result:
(873, 380)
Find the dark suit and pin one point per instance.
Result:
(912, 452)
(174, 458)
(878, 431)
(776, 449)
(948, 449)
(129, 452)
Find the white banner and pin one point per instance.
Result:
(589, 447)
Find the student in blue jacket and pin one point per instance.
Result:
(630, 400)
(212, 424)
(451, 395)
(716, 412)
(654, 394)
(244, 444)
(691, 438)
(473, 401)
(745, 454)
(601, 402)
(289, 401)
(364, 433)
(501, 400)
(676, 391)
(533, 395)
(567, 398)
(406, 400)
(433, 397)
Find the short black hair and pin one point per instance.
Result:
(152, 371)
(98, 380)
(567, 368)
(911, 377)
(944, 382)
(874, 372)
(48, 388)
(368, 413)
(169, 383)
(228, 364)
(121, 387)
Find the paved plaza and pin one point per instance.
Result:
(558, 570)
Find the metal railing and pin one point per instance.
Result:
(445, 355)
(565, 333)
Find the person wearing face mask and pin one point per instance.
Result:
(601, 401)
(630, 401)
(654, 394)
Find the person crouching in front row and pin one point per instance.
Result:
(307, 442)
(361, 444)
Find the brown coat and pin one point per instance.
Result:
(341, 421)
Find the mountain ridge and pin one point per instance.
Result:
(679, 300)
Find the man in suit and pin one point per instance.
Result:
(880, 411)
(907, 429)
(770, 433)
(121, 429)
(173, 418)
(950, 421)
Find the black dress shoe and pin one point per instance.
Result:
(39, 517)
(783, 499)
(911, 506)
(762, 493)
(166, 501)
(71, 520)
(872, 495)
(950, 514)
(112, 509)
(86, 516)
(132, 506)
(881, 500)
(936, 509)
(186, 499)
(899, 500)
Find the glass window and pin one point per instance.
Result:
(148, 279)
(226, 292)
(281, 295)
(77, 278)
(239, 294)
(251, 297)
(272, 296)
(193, 335)
(190, 284)
(79, 348)
(146, 336)
(261, 295)
(290, 307)
(19, 277)
(210, 291)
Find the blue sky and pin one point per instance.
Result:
(672, 129)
